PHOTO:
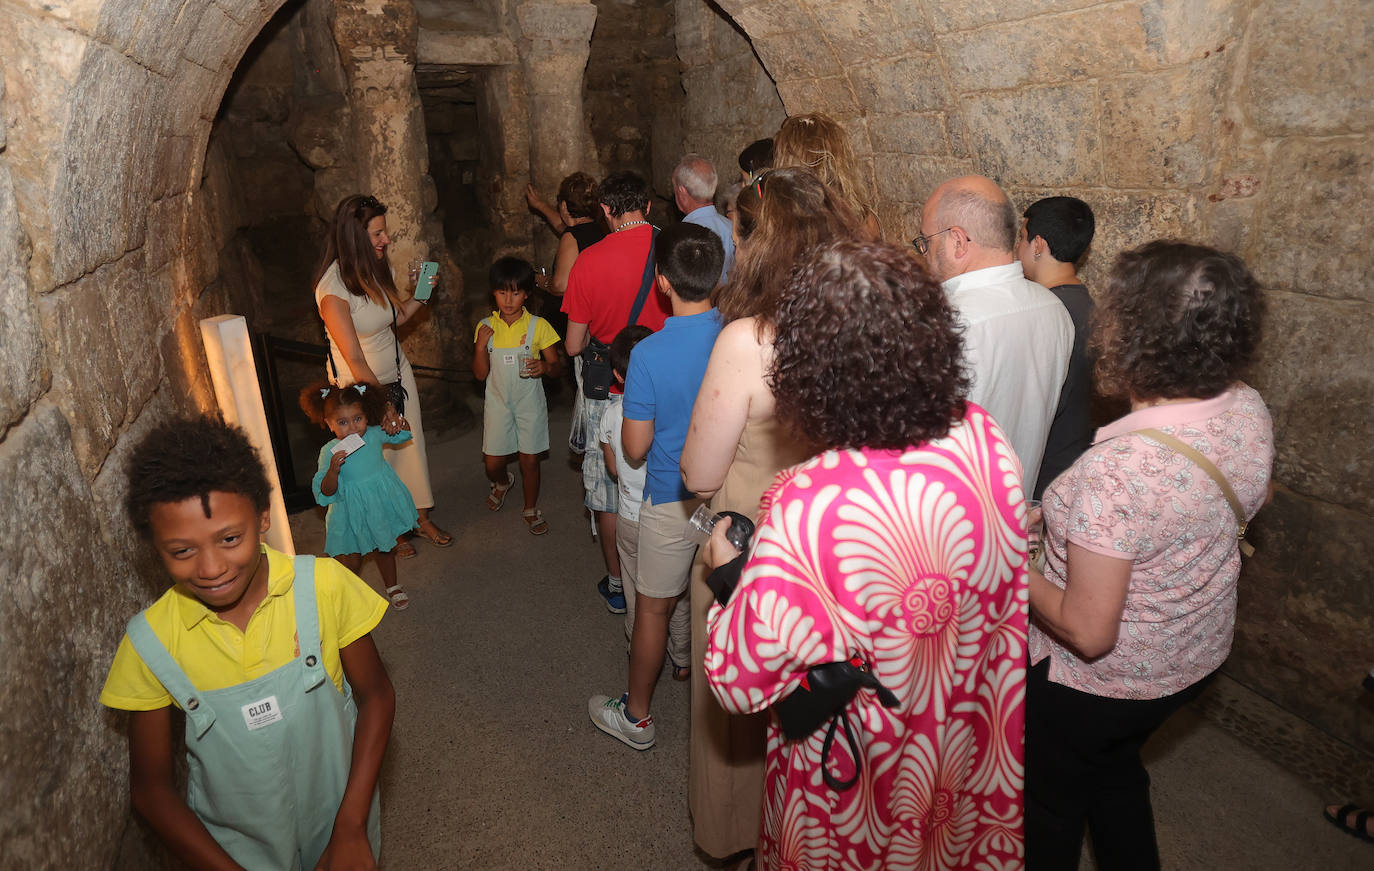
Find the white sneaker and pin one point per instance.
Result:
(609, 716)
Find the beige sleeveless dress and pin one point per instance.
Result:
(725, 778)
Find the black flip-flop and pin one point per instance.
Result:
(1361, 827)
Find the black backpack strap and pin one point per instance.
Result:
(646, 282)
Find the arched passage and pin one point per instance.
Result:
(1213, 120)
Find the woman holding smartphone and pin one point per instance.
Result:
(361, 309)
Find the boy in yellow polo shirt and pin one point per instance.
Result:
(288, 707)
(514, 350)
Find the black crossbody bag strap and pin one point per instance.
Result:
(646, 282)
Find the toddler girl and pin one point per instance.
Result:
(368, 505)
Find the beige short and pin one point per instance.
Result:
(665, 551)
(627, 545)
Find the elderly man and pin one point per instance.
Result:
(603, 286)
(1017, 335)
(694, 190)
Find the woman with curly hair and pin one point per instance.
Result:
(1136, 607)
(818, 142)
(733, 450)
(899, 548)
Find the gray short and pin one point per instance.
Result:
(602, 491)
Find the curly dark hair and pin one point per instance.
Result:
(579, 192)
(623, 192)
(868, 352)
(320, 399)
(183, 459)
(1176, 321)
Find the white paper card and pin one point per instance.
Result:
(261, 713)
(348, 445)
(508, 359)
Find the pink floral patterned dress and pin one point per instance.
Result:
(914, 560)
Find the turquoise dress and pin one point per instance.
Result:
(371, 506)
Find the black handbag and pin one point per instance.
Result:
(825, 694)
(396, 392)
(597, 373)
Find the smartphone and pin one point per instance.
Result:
(428, 270)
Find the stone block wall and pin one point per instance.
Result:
(106, 252)
(1240, 123)
(731, 100)
(117, 223)
(632, 91)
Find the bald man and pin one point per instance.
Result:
(1017, 335)
(694, 191)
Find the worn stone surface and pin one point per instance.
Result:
(1102, 40)
(1036, 134)
(1321, 409)
(908, 134)
(1312, 66)
(1305, 596)
(1162, 125)
(1315, 190)
(91, 392)
(945, 17)
(730, 98)
(63, 613)
(23, 366)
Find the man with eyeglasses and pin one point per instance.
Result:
(1017, 335)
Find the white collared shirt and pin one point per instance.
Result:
(1017, 339)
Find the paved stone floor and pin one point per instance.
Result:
(493, 763)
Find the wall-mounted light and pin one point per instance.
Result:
(230, 352)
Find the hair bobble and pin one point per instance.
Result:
(361, 388)
(324, 392)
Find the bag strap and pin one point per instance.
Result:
(395, 342)
(1214, 473)
(646, 282)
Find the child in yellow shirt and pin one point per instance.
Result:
(288, 707)
(515, 349)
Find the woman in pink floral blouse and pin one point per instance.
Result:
(900, 545)
(1136, 607)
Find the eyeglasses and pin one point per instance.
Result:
(922, 241)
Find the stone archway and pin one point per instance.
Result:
(108, 260)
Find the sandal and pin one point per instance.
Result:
(399, 600)
(497, 496)
(404, 549)
(1341, 819)
(534, 519)
(438, 538)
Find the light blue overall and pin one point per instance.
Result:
(269, 758)
(517, 416)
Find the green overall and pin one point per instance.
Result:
(516, 417)
(268, 759)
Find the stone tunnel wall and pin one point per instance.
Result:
(112, 224)
(1241, 124)
(1245, 123)
(105, 257)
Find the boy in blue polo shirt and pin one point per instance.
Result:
(661, 386)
